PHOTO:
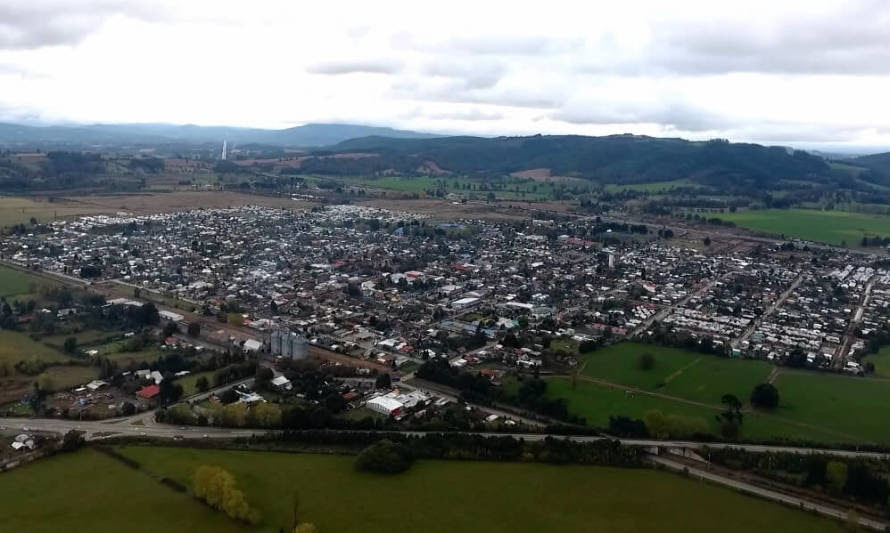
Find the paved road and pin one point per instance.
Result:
(806, 505)
(124, 427)
(772, 308)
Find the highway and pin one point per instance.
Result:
(133, 427)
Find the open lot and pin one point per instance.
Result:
(834, 227)
(685, 374)
(87, 491)
(491, 496)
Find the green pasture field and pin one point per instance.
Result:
(456, 496)
(596, 403)
(682, 373)
(15, 282)
(881, 361)
(833, 227)
(16, 346)
(89, 492)
(853, 405)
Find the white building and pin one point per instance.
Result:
(384, 405)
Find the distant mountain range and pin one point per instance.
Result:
(609, 159)
(119, 135)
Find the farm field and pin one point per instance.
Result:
(510, 189)
(834, 227)
(685, 374)
(651, 187)
(87, 491)
(20, 210)
(509, 497)
(15, 282)
(16, 346)
(856, 406)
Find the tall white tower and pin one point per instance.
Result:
(223, 155)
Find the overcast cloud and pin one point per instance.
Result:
(791, 72)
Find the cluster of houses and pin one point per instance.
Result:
(399, 288)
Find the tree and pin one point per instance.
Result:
(128, 409)
(217, 487)
(765, 396)
(170, 328)
(383, 381)
(264, 414)
(836, 475)
(234, 415)
(202, 384)
(45, 383)
(72, 440)
(194, 329)
(169, 391)
(384, 457)
(707, 241)
(70, 345)
(646, 361)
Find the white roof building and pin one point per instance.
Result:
(384, 405)
(252, 345)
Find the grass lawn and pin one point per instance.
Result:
(847, 404)
(685, 374)
(88, 492)
(833, 227)
(188, 382)
(15, 282)
(881, 361)
(464, 496)
(16, 346)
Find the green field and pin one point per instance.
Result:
(465, 496)
(15, 282)
(651, 187)
(507, 189)
(881, 361)
(685, 374)
(596, 403)
(834, 227)
(15, 347)
(188, 382)
(816, 407)
(855, 406)
(87, 491)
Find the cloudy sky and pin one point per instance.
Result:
(809, 73)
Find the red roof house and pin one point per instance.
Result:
(148, 392)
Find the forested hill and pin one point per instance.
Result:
(612, 159)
